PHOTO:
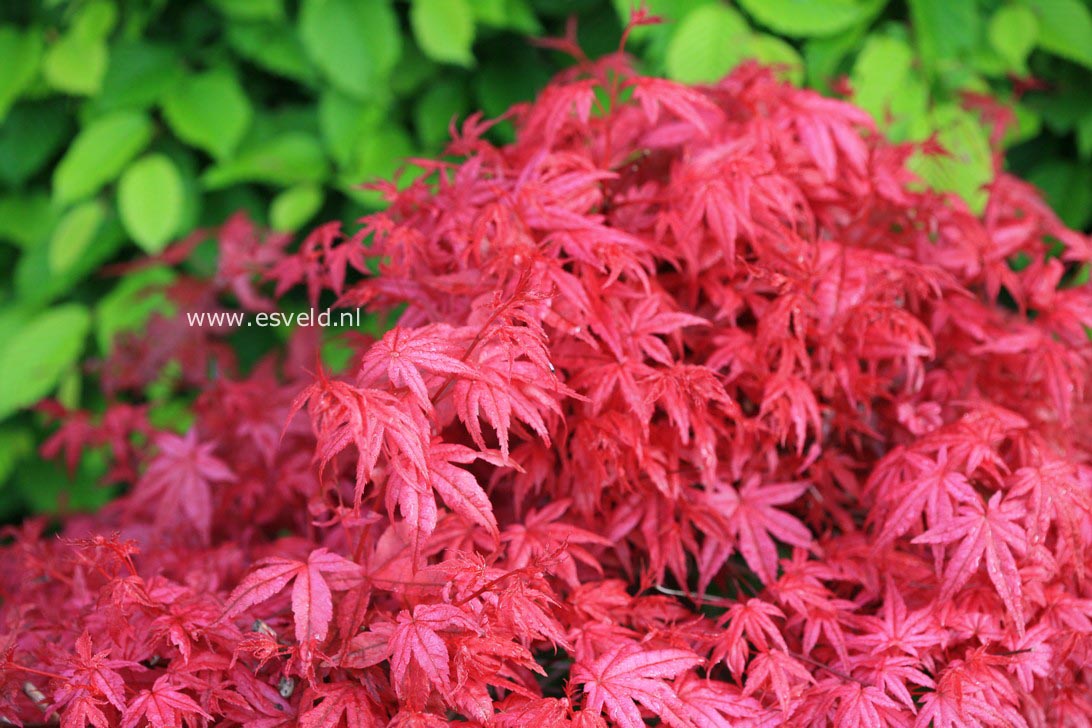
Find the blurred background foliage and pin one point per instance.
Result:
(127, 124)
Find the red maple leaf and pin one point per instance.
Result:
(629, 674)
(312, 601)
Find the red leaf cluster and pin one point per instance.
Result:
(699, 408)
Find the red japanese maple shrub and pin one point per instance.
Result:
(698, 408)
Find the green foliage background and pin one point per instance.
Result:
(125, 124)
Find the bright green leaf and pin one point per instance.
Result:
(881, 74)
(284, 160)
(36, 356)
(355, 43)
(150, 200)
(444, 29)
(210, 111)
(1065, 28)
(292, 208)
(74, 235)
(707, 44)
(20, 52)
(1012, 31)
(968, 165)
(805, 17)
(99, 153)
(76, 64)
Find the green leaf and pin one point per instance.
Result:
(355, 43)
(1084, 137)
(377, 156)
(775, 52)
(138, 75)
(802, 18)
(31, 135)
(343, 119)
(284, 160)
(1068, 187)
(1012, 31)
(707, 44)
(99, 153)
(210, 111)
(507, 81)
(1065, 28)
(36, 356)
(20, 52)
(511, 14)
(15, 444)
(435, 109)
(250, 9)
(292, 208)
(36, 283)
(74, 235)
(273, 46)
(444, 29)
(95, 19)
(944, 29)
(967, 167)
(150, 200)
(76, 64)
(886, 86)
(130, 303)
(26, 219)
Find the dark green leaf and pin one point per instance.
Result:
(26, 219)
(1068, 187)
(31, 135)
(274, 47)
(250, 9)
(138, 75)
(435, 110)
